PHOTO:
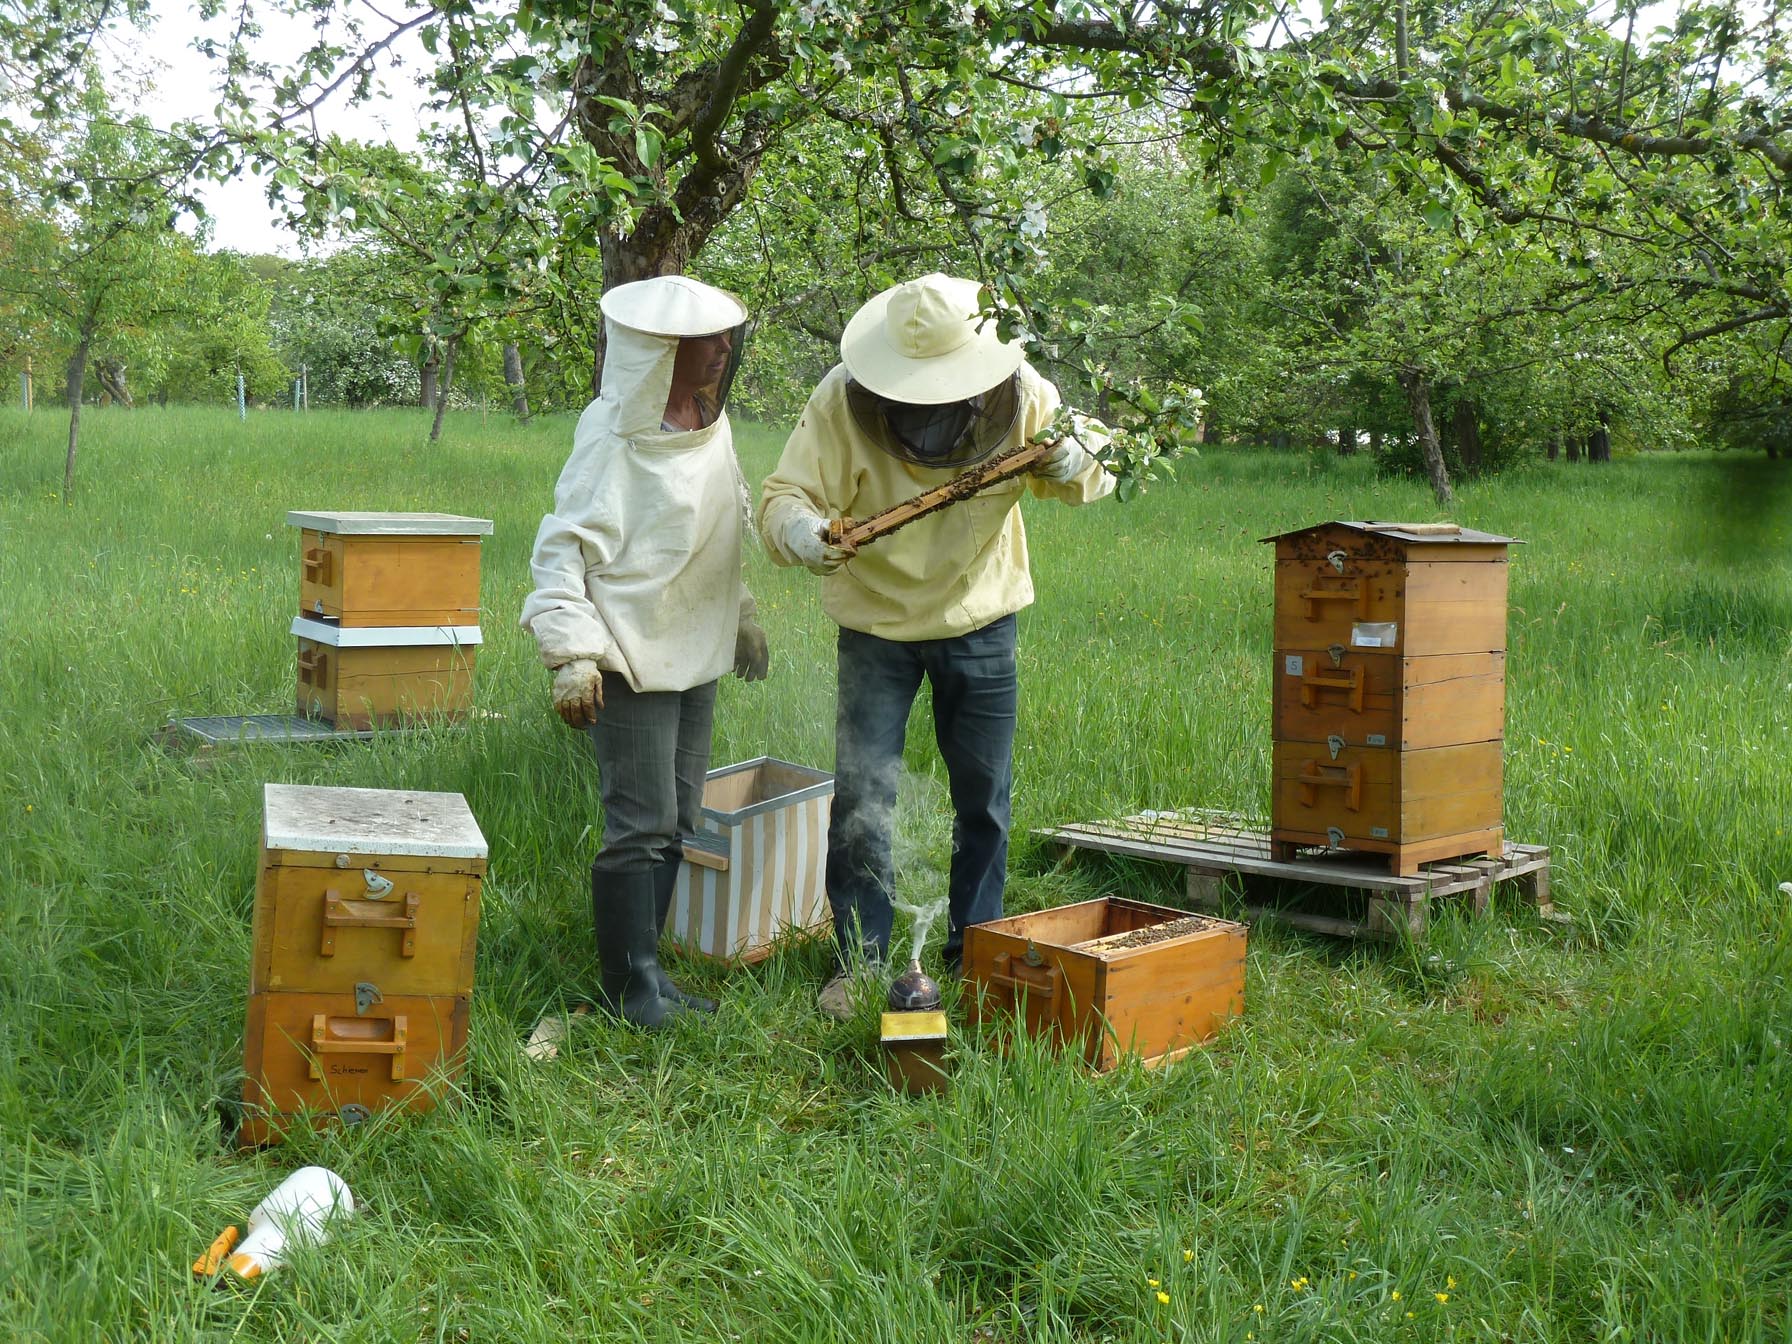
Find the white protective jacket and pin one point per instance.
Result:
(639, 565)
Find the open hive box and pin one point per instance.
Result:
(1110, 977)
(755, 869)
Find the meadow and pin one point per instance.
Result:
(1517, 1130)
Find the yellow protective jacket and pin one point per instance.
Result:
(944, 575)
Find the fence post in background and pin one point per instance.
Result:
(295, 394)
(25, 383)
(305, 385)
(242, 403)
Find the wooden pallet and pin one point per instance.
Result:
(1219, 846)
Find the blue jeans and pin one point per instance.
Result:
(974, 700)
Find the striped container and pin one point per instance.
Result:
(756, 868)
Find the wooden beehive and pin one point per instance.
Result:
(361, 569)
(1389, 691)
(361, 973)
(1109, 977)
(362, 676)
(756, 867)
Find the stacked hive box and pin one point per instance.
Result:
(1390, 670)
(366, 911)
(388, 619)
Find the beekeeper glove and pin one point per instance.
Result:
(1064, 461)
(752, 656)
(578, 692)
(802, 538)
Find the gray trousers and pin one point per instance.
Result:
(652, 755)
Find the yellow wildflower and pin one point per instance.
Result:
(1396, 1294)
(1151, 1283)
(1441, 1297)
(1449, 1280)
(1163, 1298)
(1187, 1256)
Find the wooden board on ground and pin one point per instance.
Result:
(1217, 847)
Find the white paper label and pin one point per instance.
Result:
(1294, 665)
(1378, 832)
(1374, 634)
(1377, 740)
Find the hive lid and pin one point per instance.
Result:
(383, 636)
(390, 524)
(370, 821)
(1429, 533)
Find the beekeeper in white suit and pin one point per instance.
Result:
(639, 606)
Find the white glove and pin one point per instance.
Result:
(1064, 461)
(578, 692)
(802, 537)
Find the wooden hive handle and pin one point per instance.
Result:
(1315, 776)
(1351, 682)
(326, 1041)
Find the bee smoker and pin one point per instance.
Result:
(914, 1033)
(914, 991)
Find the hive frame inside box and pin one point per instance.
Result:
(754, 872)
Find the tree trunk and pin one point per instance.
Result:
(1468, 437)
(1599, 442)
(1571, 447)
(110, 372)
(1418, 397)
(1555, 446)
(426, 386)
(1347, 441)
(77, 376)
(513, 376)
(1375, 442)
(435, 429)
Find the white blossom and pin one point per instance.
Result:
(1032, 220)
(842, 65)
(1027, 133)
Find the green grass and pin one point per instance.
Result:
(1573, 1131)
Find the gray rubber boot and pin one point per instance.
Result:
(628, 940)
(665, 882)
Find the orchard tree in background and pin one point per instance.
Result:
(1512, 129)
(98, 254)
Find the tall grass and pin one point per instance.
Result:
(1517, 1131)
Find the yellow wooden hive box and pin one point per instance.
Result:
(359, 569)
(361, 971)
(368, 676)
(1388, 719)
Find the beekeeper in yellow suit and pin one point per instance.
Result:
(639, 606)
(925, 389)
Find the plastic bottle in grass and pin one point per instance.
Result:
(296, 1212)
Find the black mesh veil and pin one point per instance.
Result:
(953, 434)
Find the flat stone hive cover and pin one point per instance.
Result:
(370, 821)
